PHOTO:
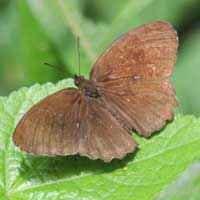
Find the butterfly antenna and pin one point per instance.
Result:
(58, 69)
(78, 41)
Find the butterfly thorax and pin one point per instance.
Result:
(87, 87)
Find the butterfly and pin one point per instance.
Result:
(129, 89)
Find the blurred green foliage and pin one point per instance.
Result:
(37, 31)
(186, 187)
(34, 31)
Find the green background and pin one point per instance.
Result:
(37, 31)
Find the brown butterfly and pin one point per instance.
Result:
(128, 89)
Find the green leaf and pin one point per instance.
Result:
(187, 186)
(141, 175)
(186, 75)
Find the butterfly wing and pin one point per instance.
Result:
(133, 75)
(67, 123)
(144, 106)
(101, 134)
(48, 128)
(146, 52)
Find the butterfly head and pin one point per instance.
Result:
(78, 80)
(87, 87)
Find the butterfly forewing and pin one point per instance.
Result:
(147, 52)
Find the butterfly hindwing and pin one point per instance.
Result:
(102, 136)
(143, 106)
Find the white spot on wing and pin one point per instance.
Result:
(136, 77)
(151, 66)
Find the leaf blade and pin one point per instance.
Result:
(139, 176)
